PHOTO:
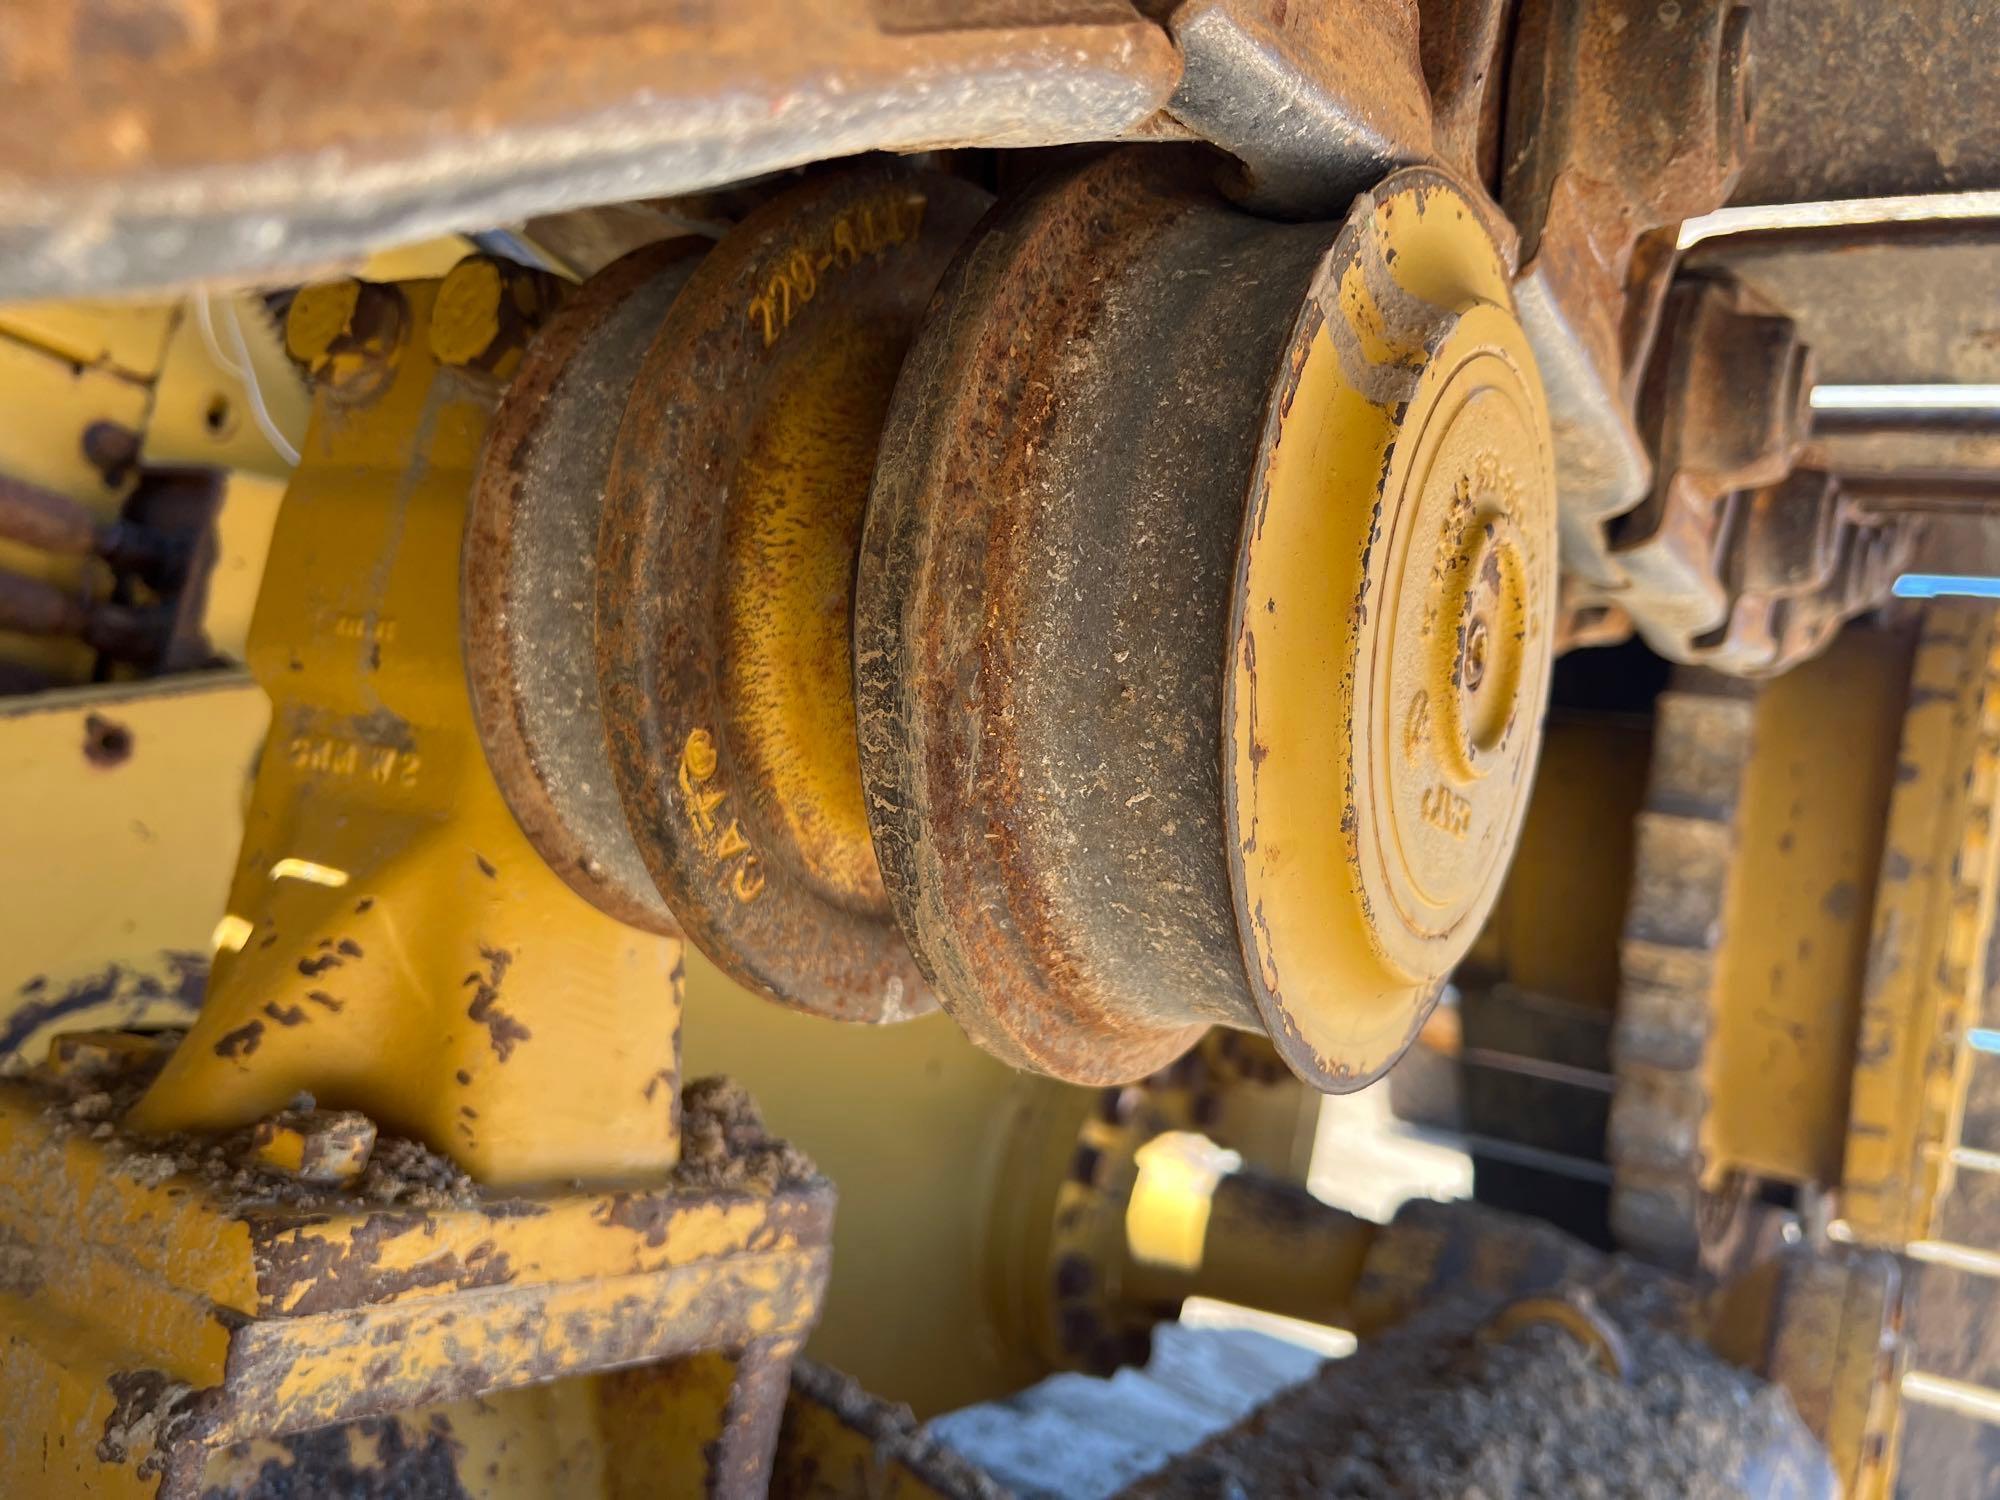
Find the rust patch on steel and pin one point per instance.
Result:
(1463, 44)
(658, 99)
(1739, 558)
(304, 1274)
(151, 1411)
(502, 1029)
(1623, 123)
(419, 1465)
(1049, 587)
(241, 1042)
(960, 807)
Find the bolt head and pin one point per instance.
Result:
(347, 334)
(485, 313)
(320, 318)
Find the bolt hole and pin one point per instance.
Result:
(106, 742)
(220, 417)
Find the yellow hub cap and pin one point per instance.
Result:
(1392, 622)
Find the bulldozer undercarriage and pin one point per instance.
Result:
(705, 701)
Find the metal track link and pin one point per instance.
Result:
(1673, 933)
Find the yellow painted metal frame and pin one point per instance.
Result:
(393, 942)
(148, 370)
(116, 869)
(1794, 949)
(1556, 927)
(1823, 1323)
(149, 1319)
(50, 394)
(1931, 942)
(113, 871)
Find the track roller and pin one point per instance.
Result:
(1203, 620)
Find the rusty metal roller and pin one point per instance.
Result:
(527, 578)
(1203, 619)
(657, 580)
(724, 578)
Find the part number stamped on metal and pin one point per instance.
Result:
(866, 229)
(1446, 811)
(353, 760)
(703, 800)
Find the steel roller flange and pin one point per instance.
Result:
(1203, 620)
(725, 566)
(529, 595)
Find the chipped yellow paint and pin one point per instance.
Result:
(451, 987)
(106, 1277)
(1396, 583)
(282, 1148)
(294, 1317)
(512, 1445)
(597, 1235)
(330, 1365)
(626, 1435)
(1928, 951)
(99, 1238)
(56, 1373)
(1794, 943)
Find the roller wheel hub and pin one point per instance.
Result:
(1203, 621)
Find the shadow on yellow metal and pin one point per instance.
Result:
(1795, 945)
(913, 1122)
(1554, 930)
(393, 944)
(647, 1434)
